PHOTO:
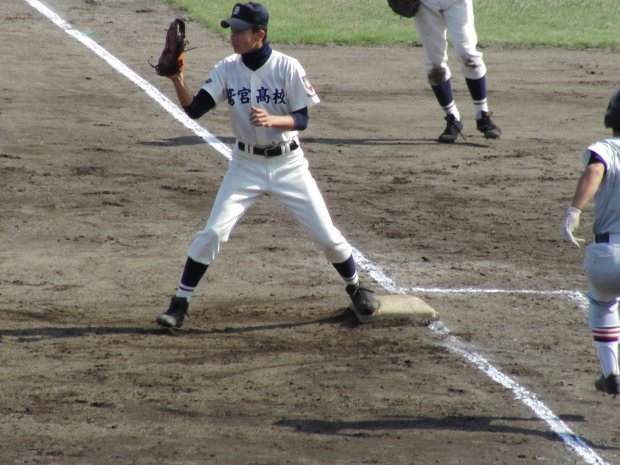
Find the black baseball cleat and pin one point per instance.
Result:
(487, 127)
(363, 300)
(174, 316)
(452, 131)
(609, 385)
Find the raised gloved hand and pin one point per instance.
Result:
(571, 223)
(172, 58)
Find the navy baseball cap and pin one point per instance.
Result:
(247, 15)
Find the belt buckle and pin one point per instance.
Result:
(272, 151)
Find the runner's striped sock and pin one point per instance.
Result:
(606, 342)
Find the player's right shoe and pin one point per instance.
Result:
(608, 385)
(363, 300)
(452, 131)
(176, 313)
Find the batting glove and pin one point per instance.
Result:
(571, 222)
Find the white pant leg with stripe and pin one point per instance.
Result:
(602, 266)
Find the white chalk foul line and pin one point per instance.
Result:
(458, 347)
(452, 343)
(143, 84)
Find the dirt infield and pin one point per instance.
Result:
(102, 192)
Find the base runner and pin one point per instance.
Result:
(601, 181)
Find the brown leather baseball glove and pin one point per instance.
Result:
(406, 8)
(172, 60)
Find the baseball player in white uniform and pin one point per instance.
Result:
(433, 21)
(268, 95)
(601, 181)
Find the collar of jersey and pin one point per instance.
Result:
(257, 58)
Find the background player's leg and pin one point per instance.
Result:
(431, 30)
(445, 98)
(478, 91)
(454, 126)
(460, 25)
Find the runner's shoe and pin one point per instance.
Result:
(609, 385)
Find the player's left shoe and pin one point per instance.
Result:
(176, 313)
(608, 385)
(487, 127)
(363, 300)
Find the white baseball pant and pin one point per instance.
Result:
(288, 179)
(602, 267)
(433, 21)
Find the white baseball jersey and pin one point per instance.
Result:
(606, 200)
(280, 87)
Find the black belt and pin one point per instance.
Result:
(602, 238)
(272, 151)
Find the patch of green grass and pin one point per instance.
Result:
(551, 23)
(554, 23)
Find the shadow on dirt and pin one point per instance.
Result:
(195, 140)
(458, 423)
(345, 318)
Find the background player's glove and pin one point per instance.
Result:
(571, 222)
(406, 8)
(172, 60)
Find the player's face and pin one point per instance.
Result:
(246, 40)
